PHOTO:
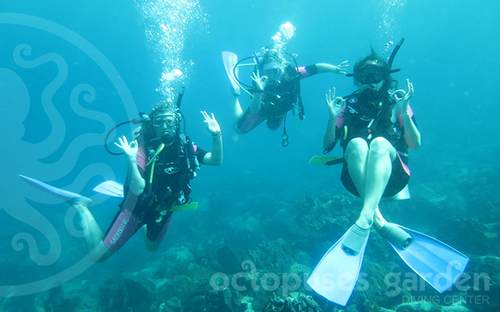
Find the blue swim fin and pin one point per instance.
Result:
(437, 263)
(230, 60)
(323, 160)
(110, 188)
(336, 274)
(66, 195)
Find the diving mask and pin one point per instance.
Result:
(370, 74)
(165, 124)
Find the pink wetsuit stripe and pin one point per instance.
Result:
(124, 227)
(141, 159)
(249, 121)
(339, 122)
(405, 167)
(409, 110)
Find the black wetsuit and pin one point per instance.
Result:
(367, 116)
(280, 96)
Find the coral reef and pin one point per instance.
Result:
(258, 259)
(295, 302)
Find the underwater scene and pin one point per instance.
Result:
(250, 155)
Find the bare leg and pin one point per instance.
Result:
(238, 110)
(92, 231)
(356, 155)
(378, 172)
(379, 219)
(370, 169)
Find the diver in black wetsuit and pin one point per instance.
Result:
(275, 83)
(375, 127)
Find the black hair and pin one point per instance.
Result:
(291, 71)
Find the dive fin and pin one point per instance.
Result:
(323, 160)
(110, 188)
(437, 263)
(66, 195)
(336, 274)
(186, 207)
(230, 60)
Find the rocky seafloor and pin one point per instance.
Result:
(257, 255)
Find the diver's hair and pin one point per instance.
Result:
(164, 108)
(372, 59)
(271, 55)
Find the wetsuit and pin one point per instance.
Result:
(279, 97)
(368, 118)
(175, 166)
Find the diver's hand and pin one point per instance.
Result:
(335, 103)
(342, 67)
(212, 124)
(259, 80)
(402, 97)
(130, 149)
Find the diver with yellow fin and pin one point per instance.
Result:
(375, 127)
(161, 162)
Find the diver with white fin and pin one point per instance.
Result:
(161, 162)
(274, 88)
(375, 127)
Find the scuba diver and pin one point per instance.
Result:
(375, 127)
(274, 89)
(161, 162)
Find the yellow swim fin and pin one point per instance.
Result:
(323, 160)
(186, 207)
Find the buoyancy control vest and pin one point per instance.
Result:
(167, 172)
(369, 117)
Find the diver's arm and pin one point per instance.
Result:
(411, 132)
(256, 102)
(330, 134)
(136, 183)
(214, 157)
(335, 104)
(260, 84)
(340, 68)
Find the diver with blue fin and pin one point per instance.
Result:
(375, 127)
(274, 88)
(161, 162)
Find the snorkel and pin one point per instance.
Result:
(373, 60)
(395, 51)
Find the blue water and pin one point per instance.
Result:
(451, 54)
